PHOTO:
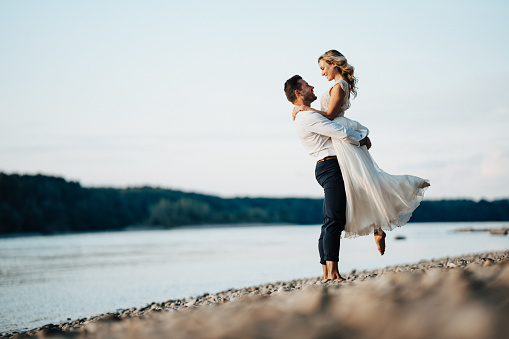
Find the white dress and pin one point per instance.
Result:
(375, 199)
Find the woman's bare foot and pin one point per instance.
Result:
(424, 184)
(380, 241)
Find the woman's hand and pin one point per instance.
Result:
(297, 109)
(365, 142)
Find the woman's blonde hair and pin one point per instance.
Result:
(338, 60)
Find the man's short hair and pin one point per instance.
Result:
(291, 85)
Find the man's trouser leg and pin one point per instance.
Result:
(328, 175)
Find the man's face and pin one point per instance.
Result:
(306, 91)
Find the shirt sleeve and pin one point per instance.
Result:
(319, 124)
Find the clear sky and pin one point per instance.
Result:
(189, 95)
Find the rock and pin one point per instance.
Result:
(109, 317)
(488, 261)
(190, 303)
(503, 231)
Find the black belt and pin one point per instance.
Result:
(327, 158)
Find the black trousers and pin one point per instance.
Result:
(328, 175)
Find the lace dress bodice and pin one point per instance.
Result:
(340, 118)
(325, 99)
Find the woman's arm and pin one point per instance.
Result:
(337, 96)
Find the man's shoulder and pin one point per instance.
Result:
(306, 115)
(309, 116)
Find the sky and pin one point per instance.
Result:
(188, 95)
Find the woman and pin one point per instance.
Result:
(376, 200)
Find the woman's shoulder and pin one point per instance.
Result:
(339, 84)
(343, 83)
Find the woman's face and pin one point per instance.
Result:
(328, 70)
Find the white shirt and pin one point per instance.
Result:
(315, 132)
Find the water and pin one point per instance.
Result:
(47, 279)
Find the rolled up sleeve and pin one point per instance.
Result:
(319, 124)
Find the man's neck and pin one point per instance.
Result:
(302, 103)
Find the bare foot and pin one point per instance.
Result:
(380, 241)
(333, 271)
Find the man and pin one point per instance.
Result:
(315, 132)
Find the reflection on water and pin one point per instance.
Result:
(47, 279)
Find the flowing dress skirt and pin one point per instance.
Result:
(375, 199)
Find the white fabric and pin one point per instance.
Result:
(325, 99)
(375, 199)
(315, 132)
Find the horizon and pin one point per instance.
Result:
(167, 94)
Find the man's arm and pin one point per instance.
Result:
(319, 124)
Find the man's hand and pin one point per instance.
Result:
(366, 142)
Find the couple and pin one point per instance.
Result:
(360, 198)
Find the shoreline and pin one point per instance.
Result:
(502, 226)
(373, 290)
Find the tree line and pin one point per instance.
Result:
(46, 204)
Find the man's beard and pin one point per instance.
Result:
(310, 97)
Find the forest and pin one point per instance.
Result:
(46, 204)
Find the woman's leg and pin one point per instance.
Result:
(380, 241)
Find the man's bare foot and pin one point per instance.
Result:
(339, 279)
(333, 271)
(380, 241)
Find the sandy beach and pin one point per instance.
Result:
(462, 297)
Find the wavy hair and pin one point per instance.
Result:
(338, 60)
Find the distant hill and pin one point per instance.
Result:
(46, 204)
